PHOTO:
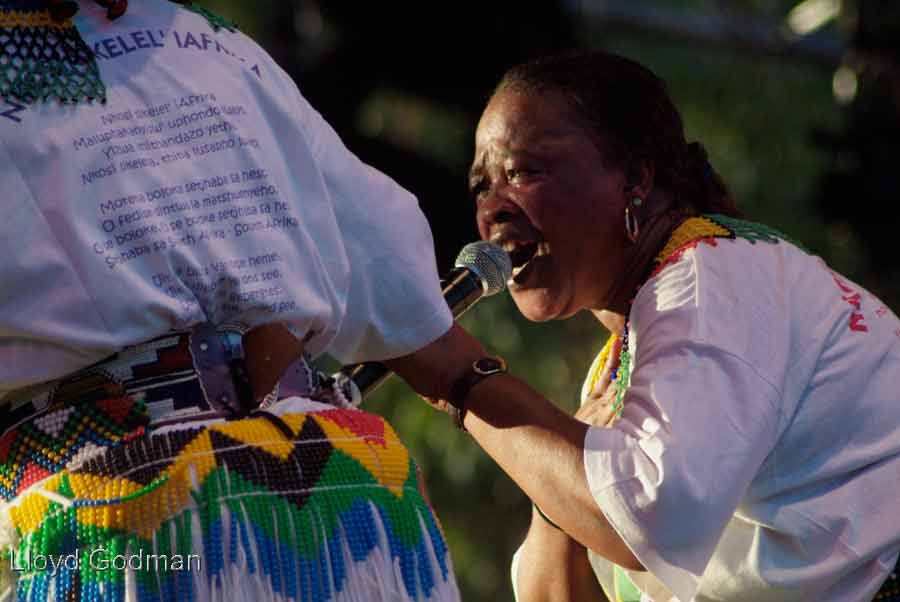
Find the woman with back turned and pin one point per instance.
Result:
(182, 234)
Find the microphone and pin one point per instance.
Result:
(481, 269)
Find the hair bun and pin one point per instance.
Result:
(698, 161)
(697, 153)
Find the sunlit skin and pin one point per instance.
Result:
(538, 176)
(545, 193)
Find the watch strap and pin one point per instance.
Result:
(459, 391)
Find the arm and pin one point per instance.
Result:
(268, 350)
(553, 567)
(542, 448)
(538, 445)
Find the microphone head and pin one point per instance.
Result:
(488, 262)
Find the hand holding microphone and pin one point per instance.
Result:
(481, 270)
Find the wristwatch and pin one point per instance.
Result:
(481, 369)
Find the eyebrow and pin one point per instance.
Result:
(475, 172)
(477, 169)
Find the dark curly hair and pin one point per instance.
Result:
(628, 107)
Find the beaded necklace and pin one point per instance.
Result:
(621, 376)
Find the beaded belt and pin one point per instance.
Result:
(186, 375)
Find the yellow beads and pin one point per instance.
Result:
(15, 18)
(692, 229)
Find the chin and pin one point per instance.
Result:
(537, 309)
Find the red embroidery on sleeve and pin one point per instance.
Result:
(852, 299)
(856, 323)
(841, 284)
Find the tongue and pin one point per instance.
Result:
(523, 254)
(522, 274)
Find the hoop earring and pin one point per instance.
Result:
(632, 228)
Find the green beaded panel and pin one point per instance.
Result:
(40, 62)
(753, 232)
(215, 20)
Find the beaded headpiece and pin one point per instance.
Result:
(43, 57)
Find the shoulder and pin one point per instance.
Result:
(728, 283)
(712, 254)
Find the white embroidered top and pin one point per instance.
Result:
(758, 453)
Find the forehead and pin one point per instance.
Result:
(517, 120)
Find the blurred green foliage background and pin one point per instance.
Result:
(798, 104)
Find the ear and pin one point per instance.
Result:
(639, 177)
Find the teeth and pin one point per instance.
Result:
(510, 246)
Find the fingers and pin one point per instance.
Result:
(597, 410)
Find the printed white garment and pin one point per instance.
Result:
(756, 457)
(205, 190)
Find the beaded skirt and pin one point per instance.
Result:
(303, 501)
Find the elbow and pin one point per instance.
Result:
(618, 553)
(605, 541)
(631, 563)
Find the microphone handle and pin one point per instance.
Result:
(461, 290)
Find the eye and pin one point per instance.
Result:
(477, 188)
(518, 173)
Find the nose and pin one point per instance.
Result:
(494, 209)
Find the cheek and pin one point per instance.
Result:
(483, 229)
(480, 218)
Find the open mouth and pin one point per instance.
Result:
(521, 252)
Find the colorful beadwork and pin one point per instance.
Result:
(622, 377)
(753, 231)
(43, 446)
(689, 233)
(262, 514)
(215, 20)
(42, 58)
(602, 358)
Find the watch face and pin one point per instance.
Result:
(489, 365)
